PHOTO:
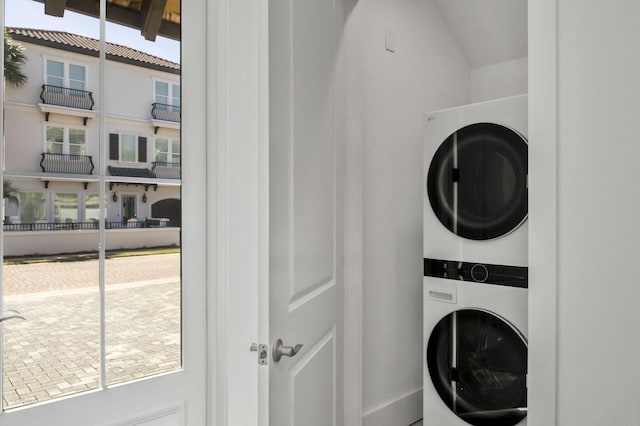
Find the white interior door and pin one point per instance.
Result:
(178, 396)
(306, 212)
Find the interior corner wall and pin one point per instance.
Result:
(500, 80)
(426, 72)
(598, 200)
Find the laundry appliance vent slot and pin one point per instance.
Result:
(441, 295)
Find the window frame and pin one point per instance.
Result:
(135, 147)
(170, 140)
(66, 145)
(66, 62)
(171, 84)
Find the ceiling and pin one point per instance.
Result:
(488, 31)
(152, 17)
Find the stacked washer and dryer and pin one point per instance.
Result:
(475, 265)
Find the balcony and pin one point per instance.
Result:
(165, 112)
(66, 163)
(64, 100)
(164, 170)
(163, 115)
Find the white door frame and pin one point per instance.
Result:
(237, 206)
(87, 406)
(237, 132)
(543, 211)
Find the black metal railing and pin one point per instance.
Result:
(87, 225)
(165, 112)
(66, 163)
(67, 97)
(165, 170)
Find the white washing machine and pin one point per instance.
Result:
(476, 170)
(475, 264)
(475, 346)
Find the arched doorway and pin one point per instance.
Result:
(169, 208)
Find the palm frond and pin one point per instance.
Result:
(14, 58)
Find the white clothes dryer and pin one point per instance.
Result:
(475, 264)
(475, 354)
(476, 196)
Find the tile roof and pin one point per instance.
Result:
(89, 46)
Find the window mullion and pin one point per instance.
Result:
(102, 171)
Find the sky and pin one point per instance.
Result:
(30, 14)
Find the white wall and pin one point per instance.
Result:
(500, 80)
(597, 151)
(426, 72)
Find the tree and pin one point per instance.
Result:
(8, 187)
(14, 58)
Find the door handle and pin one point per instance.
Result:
(280, 350)
(11, 315)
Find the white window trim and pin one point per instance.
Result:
(65, 137)
(66, 62)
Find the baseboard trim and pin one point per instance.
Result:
(403, 411)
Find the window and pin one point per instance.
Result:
(62, 74)
(92, 207)
(65, 140)
(55, 140)
(65, 208)
(127, 148)
(167, 93)
(167, 150)
(55, 73)
(32, 207)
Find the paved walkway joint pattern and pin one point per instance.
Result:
(56, 352)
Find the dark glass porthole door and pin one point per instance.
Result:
(478, 365)
(477, 181)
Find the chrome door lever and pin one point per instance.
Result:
(12, 315)
(280, 350)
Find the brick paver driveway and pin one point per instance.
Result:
(56, 351)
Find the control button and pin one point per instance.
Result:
(479, 273)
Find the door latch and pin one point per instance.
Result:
(263, 353)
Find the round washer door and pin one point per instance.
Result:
(478, 365)
(477, 181)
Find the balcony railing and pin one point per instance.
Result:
(66, 163)
(164, 170)
(66, 97)
(87, 225)
(165, 112)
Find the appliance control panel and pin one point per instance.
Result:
(484, 273)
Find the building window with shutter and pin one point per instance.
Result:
(127, 148)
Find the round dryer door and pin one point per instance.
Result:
(477, 181)
(478, 364)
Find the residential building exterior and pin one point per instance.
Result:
(55, 158)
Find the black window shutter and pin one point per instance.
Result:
(142, 150)
(114, 145)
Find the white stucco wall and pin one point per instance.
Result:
(130, 93)
(500, 80)
(426, 72)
